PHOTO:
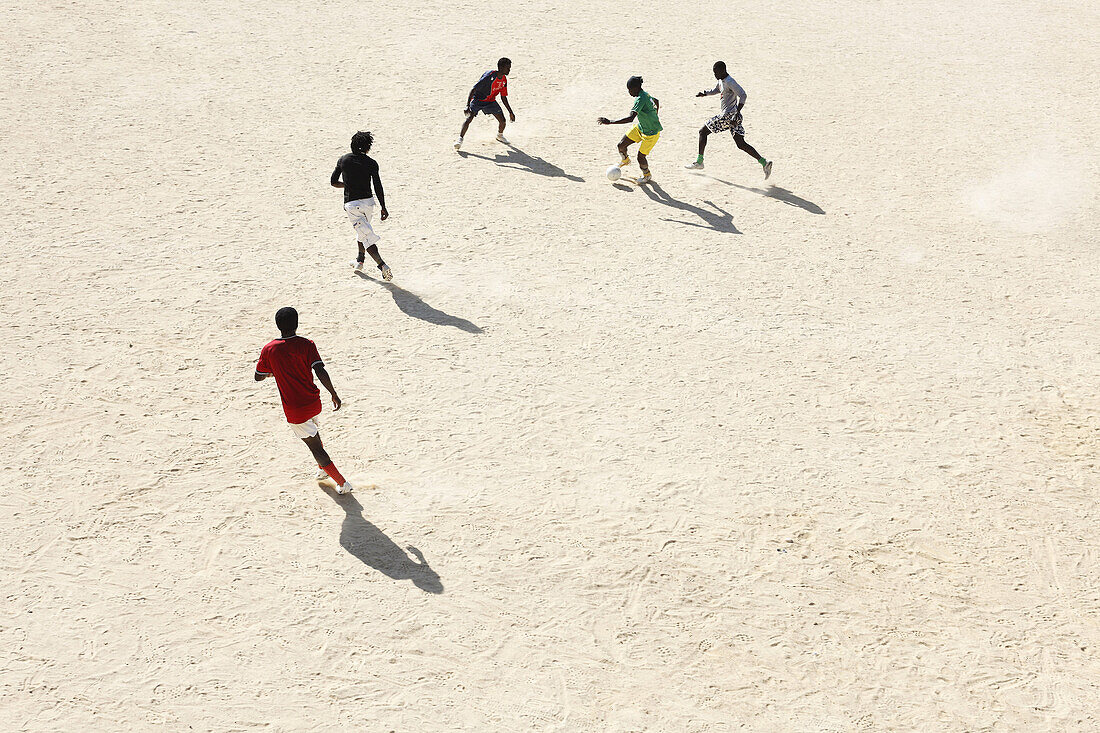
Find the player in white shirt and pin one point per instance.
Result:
(733, 99)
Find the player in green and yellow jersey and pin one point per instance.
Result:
(646, 131)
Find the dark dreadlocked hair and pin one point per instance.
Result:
(361, 142)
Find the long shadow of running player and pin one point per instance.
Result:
(782, 194)
(775, 192)
(372, 547)
(412, 305)
(521, 161)
(719, 220)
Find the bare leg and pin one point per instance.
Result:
(326, 464)
(643, 163)
(740, 140)
(373, 252)
(466, 124)
(361, 256)
(500, 123)
(703, 133)
(318, 450)
(624, 146)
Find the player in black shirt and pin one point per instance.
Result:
(359, 172)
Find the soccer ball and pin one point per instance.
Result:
(613, 173)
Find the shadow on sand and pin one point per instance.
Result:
(719, 219)
(411, 305)
(372, 547)
(773, 192)
(519, 160)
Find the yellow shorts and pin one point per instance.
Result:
(647, 141)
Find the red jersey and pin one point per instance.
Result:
(500, 86)
(291, 361)
(487, 87)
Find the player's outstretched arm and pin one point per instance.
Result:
(623, 121)
(323, 378)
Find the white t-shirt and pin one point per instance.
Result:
(733, 96)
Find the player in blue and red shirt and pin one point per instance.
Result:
(482, 99)
(290, 359)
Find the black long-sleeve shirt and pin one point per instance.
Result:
(359, 172)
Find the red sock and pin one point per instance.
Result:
(330, 469)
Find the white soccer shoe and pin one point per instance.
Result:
(345, 488)
(696, 166)
(502, 139)
(387, 273)
(358, 265)
(458, 144)
(767, 170)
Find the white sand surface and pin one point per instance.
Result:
(708, 456)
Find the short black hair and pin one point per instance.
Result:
(720, 65)
(504, 61)
(634, 81)
(286, 319)
(361, 142)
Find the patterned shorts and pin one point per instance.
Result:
(723, 122)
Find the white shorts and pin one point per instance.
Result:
(361, 212)
(307, 429)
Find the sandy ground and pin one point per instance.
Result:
(707, 456)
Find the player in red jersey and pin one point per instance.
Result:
(289, 359)
(482, 100)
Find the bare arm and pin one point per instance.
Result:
(261, 376)
(323, 378)
(509, 107)
(623, 121)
